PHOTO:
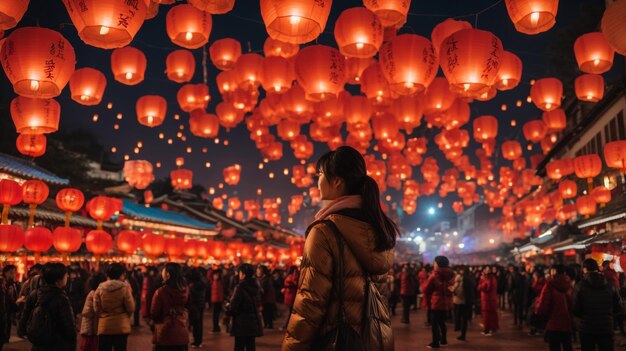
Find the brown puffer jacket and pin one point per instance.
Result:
(315, 311)
(114, 304)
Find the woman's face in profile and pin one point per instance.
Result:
(329, 190)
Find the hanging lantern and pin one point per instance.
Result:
(101, 208)
(438, 96)
(358, 33)
(225, 53)
(593, 53)
(128, 241)
(295, 21)
(128, 65)
(444, 29)
(148, 196)
(559, 168)
(232, 174)
(320, 70)
(31, 145)
(35, 192)
(613, 25)
(187, 26)
(485, 128)
(392, 13)
(11, 13)
(138, 173)
(355, 67)
(600, 194)
(511, 150)
(193, 96)
(66, 240)
(151, 110)
(174, 247)
(69, 200)
(288, 129)
(38, 239)
(10, 195)
(218, 203)
(273, 47)
(510, 71)
(182, 179)
(215, 7)
(385, 126)
(153, 9)
(589, 87)
(535, 130)
(11, 237)
(586, 205)
(555, 120)
(248, 70)
(152, 244)
(87, 86)
(35, 116)
(38, 61)
(98, 242)
(532, 16)
(357, 109)
(180, 66)
(568, 189)
(204, 125)
(375, 86)
(277, 74)
(547, 93)
(229, 116)
(587, 166)
(408, 111)
(234, 203)
(615, 155)
(471, 59)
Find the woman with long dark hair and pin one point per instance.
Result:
(169, 311)
(350, 244)
(244, 308)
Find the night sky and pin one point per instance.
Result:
(244, 23)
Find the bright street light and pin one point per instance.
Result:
(431, 211)
(461, 245)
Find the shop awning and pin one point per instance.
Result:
(24, 169)
(172, 221)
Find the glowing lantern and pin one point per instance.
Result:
(288, 129)
(35, 116)
(471, 60)
(248, 70)
(613, 25)
(593, 53)
(101, 208)
(320, 70)
(559, 168)
(568, 189)
(11, 13)
(438, 96)
(615, 154)
(10, 195)
(151, 110)
(587, 166)
(148, 196)
(546, 93)
(232, 174)
(229, 116)
(273, 47)
(187, 26)
(204, 125)
(38, 239)
(193, 96)
(11, 237)
(601, 195)
(555, 120)
(408, 111)
(128, 65)
(216, 7)
(392, 13)
(444, 29)
(375, 86)
(38, 61)
(66, 240)
(409, 63)
(152, 10)
(218, 203)
(174, 247)
(535, 130)
(181, 179)
(485, 128)
(589, 87)
(357, 109)
(586, 205)
(69, 200)
(355, 67)
(510, 71)
(35, 192)
(532, 16)
(190, 248)
(87, 86)
(234, 203)
(358, 33)
(385, 126)
(98, 242)
(224, 53)
(511, 150)
(277, 75)
(128, 241)
(295, 21)
(32, 145)
(273, 152)
(180, 66)
(138, 173)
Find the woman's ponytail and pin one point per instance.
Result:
(385, 229)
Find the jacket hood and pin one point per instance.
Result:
(47, 293)
(596, 280)
(445, 274)
(359, 236)
(560, 282)
(178, 297)
(112, 285)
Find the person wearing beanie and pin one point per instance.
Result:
(439, 298)
(596, 303)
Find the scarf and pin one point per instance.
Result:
(340, 203)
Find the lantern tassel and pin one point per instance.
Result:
(5, 213)
(31, 215)
(589, 184)
(99, 225)
(68, 216)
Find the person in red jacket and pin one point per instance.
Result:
(555, 303)
(407, 290)
(289, 290)
(217, 299)
(488, 288)
(437, 293)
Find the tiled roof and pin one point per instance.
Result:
(24, 169)
(55, 217)
(158, 215)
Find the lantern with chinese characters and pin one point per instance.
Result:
(216, 7)
(10, 195)
(193, 96)
(471, 59)
(38, 239)
(409, 63)
(358, 32)
(534, 130)
(204, 125)
(151, 110)
(11, 13)
(11, 237)
(106, 24)
(511, 150)
(232, 174)
(87, 86)
(152, 244)
(224, 53)
(98, 242)
(128, 241)
(586, 205)
(31, 145)
(593, 53)
(188, 26)
(589, 87)
(613, 25)
(485, 128)
(320, 70)
(69, 200)
(138, 173)
(444, 29)
(568, 189)
(587, 166)
(510, 71)
(35, 192)
(555, 120)
(38, 61)
(615, 154)
(128, 65)
(181, 179)
(295, 21)
(392, 13)
(180, 66)
(66, 240)
(546, 93)
(277, 74)
(35, 116)
(532, 16)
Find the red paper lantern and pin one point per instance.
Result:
(11, 237)
(355, 67)
(615, 154)
(555, 120)
(225, 53)
(601, 195)
(32, 145)
(98, 242)
(532, 16)
(295, 21)
(589, 87)
(568, 189)
(87, 86)
(510, 71)
(408, 111)
(511, 150)
(180, 66)
(546, 93)
(181, 179)
(38, 61)
(535, 130)
(215, 7)
(277, 74)
(204, 125)
(38, 239)
(152, 244)
(128, 241)
(128, 65)
(409, 63)
(35, 116)
(66, 239)
(587, 166)
(375, 86)
(193, 96)
(559, 168)
(248, 70)
(485, 128)
(586, 205)
(392, 13)
(11, 13)
(35, 192)
(106, 24)
(444, 29)
(229, 116)
(288, 129)
(138, 173)
(174, 247)
(438, 96)
(357, 109)
(593, 53)
(151, 110)
(613, 26)
(320, 70)
(358, 32)
(273, 47)
(10, 195)
(148, 197)
(232, 174)
(70, 199)
(385, 126)
(101, 208)
(190, 248)
(187, 26)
